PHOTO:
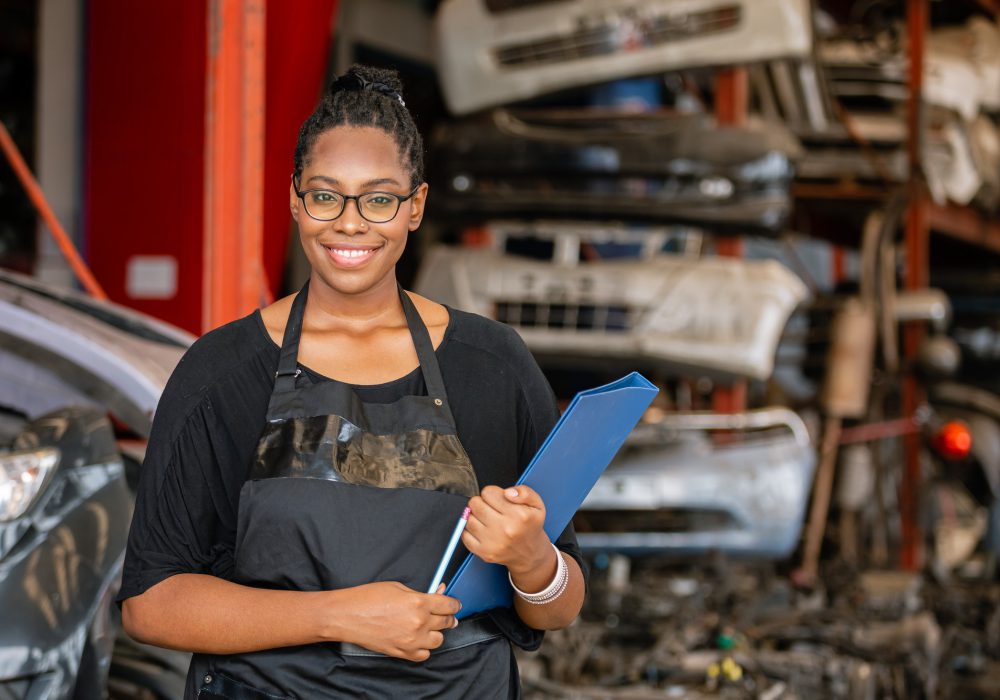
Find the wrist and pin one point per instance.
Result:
(329, 620)
(555, 588)
(538, 560)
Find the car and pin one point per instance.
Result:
(79, 383)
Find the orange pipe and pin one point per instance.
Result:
(37, 197)
(234, 161)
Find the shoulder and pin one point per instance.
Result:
(219, 353)
(489, 337)
(434, 315)
(495, 352)
(225, 371)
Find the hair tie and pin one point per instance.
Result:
(353, 82)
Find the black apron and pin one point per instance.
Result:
(344, 493)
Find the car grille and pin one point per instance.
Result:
(570, 317)
(498, 7)
(624, 32)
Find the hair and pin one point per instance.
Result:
(365, 96)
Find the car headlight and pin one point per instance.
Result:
(22, 477)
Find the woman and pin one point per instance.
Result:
(308, 462)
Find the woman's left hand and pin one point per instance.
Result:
(505, 527)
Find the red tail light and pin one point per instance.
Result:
(953, 440)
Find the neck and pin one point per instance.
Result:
(328, 307)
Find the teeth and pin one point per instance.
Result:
(350, 253)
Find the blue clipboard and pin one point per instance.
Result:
(563, 472)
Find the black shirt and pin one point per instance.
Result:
(212, 412)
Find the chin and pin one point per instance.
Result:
(353, 283)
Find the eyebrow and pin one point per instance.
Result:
(370, 183)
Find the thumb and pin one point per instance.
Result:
(523, 495)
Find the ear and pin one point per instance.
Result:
(293, 201)
(417, 203)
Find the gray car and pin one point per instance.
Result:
(79, 381)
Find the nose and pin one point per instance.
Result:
(350, 221)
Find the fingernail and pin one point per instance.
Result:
(512, 493)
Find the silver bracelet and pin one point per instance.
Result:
(550, 592)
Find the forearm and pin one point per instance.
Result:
(200, 613)
(558, 613)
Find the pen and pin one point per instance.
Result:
(450, 549)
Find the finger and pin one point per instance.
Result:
(419, 655)
(434, 639)
(440, 589)
(444, 622)
(523, 495)
(480, 527)
(475, 527)
(484, 509)
(471, 542)
(444, 605)
(494, 497)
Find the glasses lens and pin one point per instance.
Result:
(324, 204)
(378, 207)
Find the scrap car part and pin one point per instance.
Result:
(719, 316)
(61, 560)
(653, 168)
(493, 52)
(744, 495)
(110, 355)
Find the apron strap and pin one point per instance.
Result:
(288, 369)
(425, 349)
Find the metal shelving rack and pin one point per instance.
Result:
(960, 223)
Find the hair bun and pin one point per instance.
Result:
(359, 77)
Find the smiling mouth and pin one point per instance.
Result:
(350, 257)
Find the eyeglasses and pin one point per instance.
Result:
(375, 207)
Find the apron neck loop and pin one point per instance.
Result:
(284, 378)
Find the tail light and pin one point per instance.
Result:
(953, 440)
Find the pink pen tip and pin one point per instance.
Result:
(466, 513)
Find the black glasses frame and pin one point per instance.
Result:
(357, 201)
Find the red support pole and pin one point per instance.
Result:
(234, 151)
(731, 96)
(917, 264)
(731, 105)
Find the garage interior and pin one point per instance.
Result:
(784, 213)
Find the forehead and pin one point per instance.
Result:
(355, 154)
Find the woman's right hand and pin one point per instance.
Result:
(392, 619)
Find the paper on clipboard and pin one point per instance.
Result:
(563, 472)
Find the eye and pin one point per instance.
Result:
(379, 200)
(324, 197)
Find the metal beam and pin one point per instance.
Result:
(234, 151)
(917, 263)
(731, 106)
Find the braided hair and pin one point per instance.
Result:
(365, 96)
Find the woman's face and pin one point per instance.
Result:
(352, 255)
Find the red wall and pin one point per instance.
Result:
(145, 112)
(145, 137)
(298, 45)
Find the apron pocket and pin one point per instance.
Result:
(216, 686)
